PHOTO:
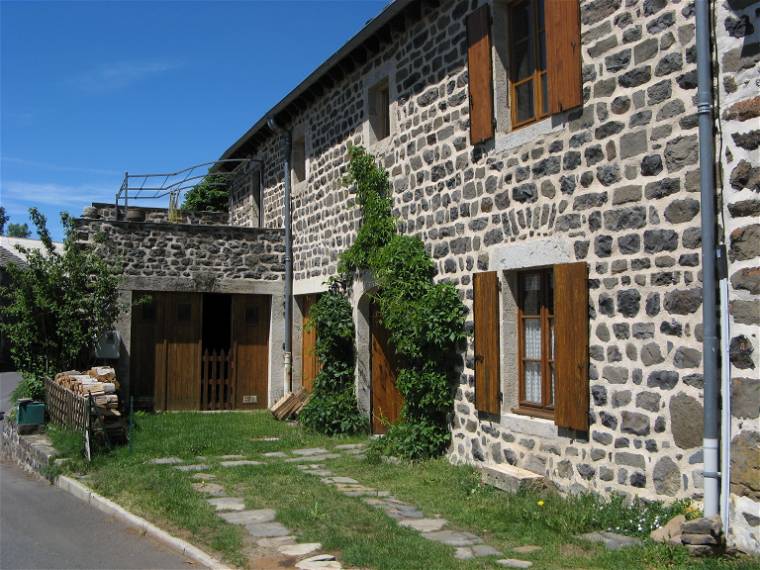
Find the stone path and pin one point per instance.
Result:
(268, 537)
(467, 545)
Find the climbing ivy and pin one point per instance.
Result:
(332, 408)
(424, 319)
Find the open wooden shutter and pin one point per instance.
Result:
(486, 317)
(571, 324)
(563, 56)
(480, 75)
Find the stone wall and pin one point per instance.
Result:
(614, 183)
(157, 255)
(34, 452)
(739, 156)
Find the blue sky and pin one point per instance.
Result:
(91, 89)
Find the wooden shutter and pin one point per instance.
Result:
(571, 324)
(563, 43)
(480, 75)
(486, 316)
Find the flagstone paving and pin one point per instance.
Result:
(273, 538)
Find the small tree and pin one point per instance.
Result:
(3, 220)
(56, 306)
(210, 195)
(19, 231)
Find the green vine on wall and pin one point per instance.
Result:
(424, 319)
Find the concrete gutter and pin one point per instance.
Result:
(84, 493)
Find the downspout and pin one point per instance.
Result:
(709, 308)
(287, 140)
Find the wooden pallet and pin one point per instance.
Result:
(290, 405)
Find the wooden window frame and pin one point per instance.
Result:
(536, 76)
(379, 107)
(546, 408)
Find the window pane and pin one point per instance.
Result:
(524, 96)
(550, 293)
(522, 60)
(540, 14)
(520, 18)
(551, 395)
(532, 336)
(550, 356)
(542, 51)
(531, 290)
(533, 382)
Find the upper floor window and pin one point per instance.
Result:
(378, 105)
(528, 80)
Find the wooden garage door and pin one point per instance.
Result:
(386, 399)
(309, 360)
(178, 351)
(250, 343)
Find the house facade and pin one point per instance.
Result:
(547, 154)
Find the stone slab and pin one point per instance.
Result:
(267, 529)
(166, 461)
(276, 541)
(204, 476)
(322, 457)
(275, 454)
(298, 550)
(424, 525)
(485, 550)
(227, 503)
(350, 446)
(240, 463)
(213, 489)
(611, 540)
(514, 563)
(453, 537)
(194, 467)
(464, 553)
(319, 562)
(508, 477)
(341, 480)
(309, 451)
(250, 517)
(233, 456)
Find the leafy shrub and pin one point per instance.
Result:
(332, 409)
(424, 319)
(30, 386)
(210, 195)
(57, 306)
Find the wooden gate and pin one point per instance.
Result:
(217, 380)
(309, 360)
(142, 357)
(178, 352)
(386, 400)
(250, 345)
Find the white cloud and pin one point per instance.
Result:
(117, 75)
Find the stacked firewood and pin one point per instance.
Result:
(98, 382)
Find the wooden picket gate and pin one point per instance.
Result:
(217, 380)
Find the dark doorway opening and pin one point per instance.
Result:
(216, 357)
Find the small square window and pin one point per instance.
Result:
(379, 111)
(298, 160)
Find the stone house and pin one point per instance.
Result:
(547, 153)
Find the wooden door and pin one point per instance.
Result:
(309, 361)
(250, 344)
(182, 354)
(142, 354)
(386, 400)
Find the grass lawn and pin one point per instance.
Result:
(360, 535)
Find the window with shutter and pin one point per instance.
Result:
(480, 75)
(571, 345)
(486, 325)
(538, 56)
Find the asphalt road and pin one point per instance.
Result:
(46, 528)
(8, 381)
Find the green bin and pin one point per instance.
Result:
(30, 413)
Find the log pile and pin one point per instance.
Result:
(98, 382)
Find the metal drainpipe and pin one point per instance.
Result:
(287, 140)
(709, 308)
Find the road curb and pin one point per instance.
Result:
(84, 493)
